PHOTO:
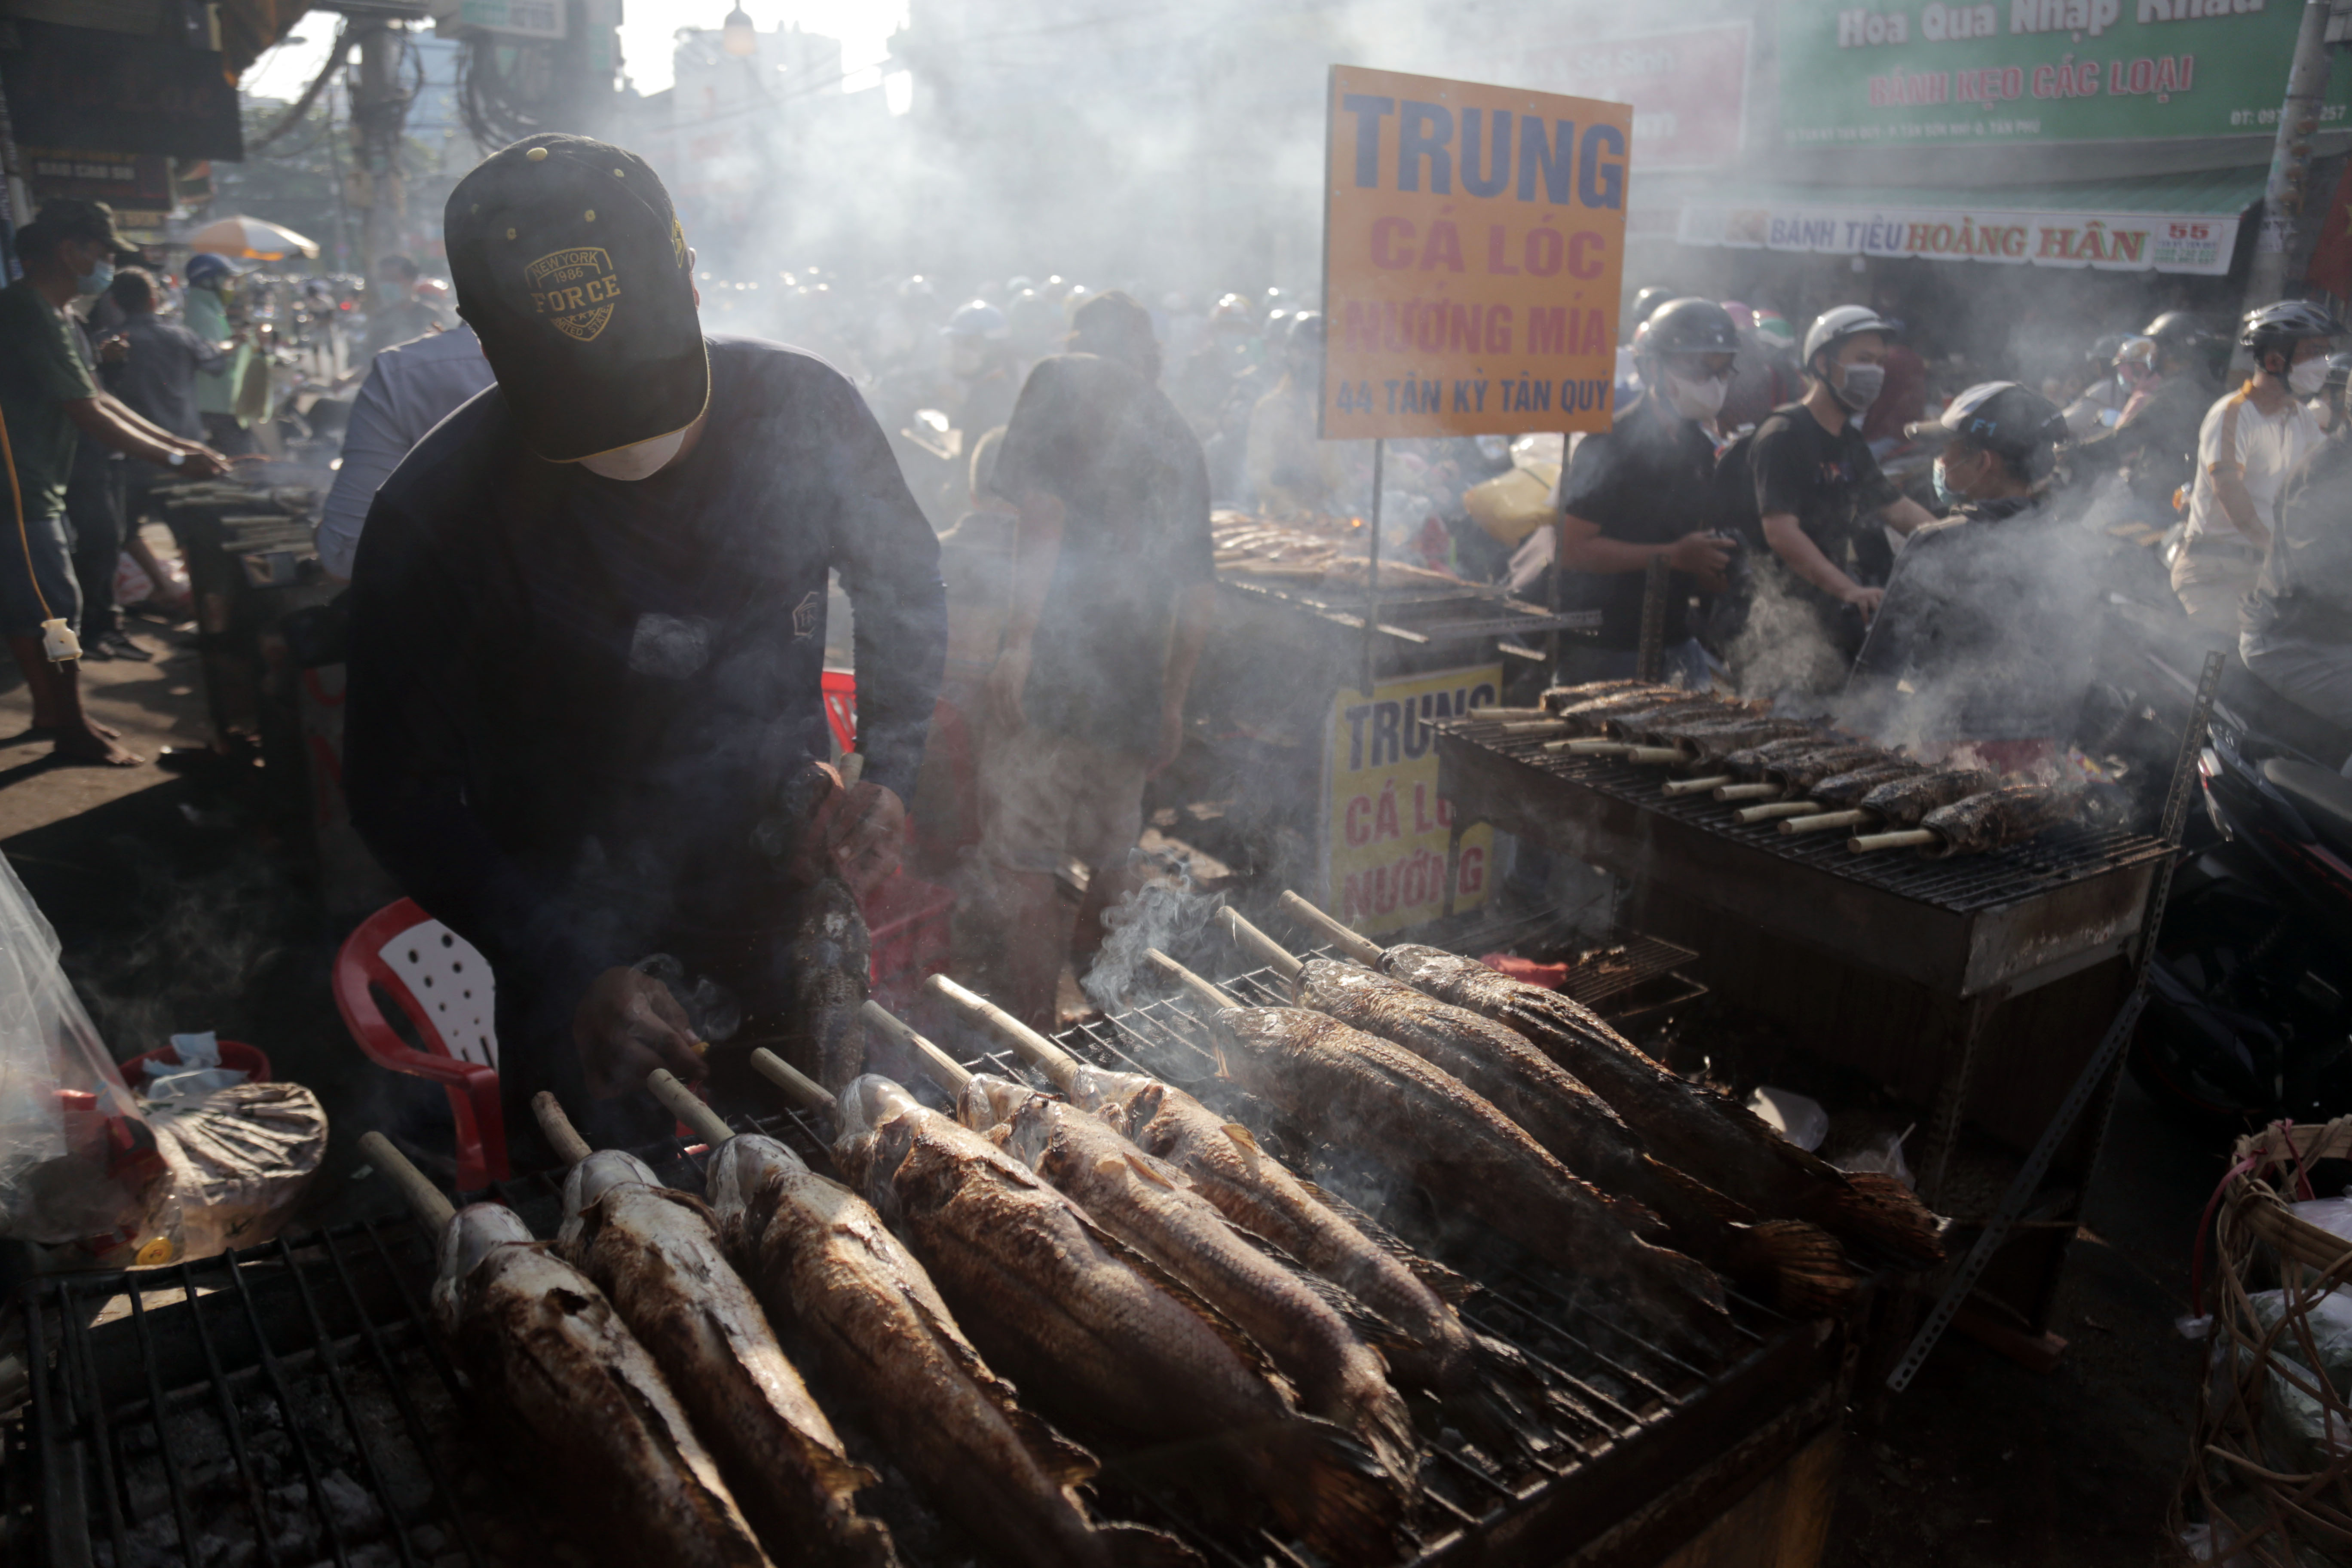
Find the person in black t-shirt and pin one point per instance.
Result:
(1644, 488)
(1819, 497)
(584, 724)
(1114, 588)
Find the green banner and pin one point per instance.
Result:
(2036, 71)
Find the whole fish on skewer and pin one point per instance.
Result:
(1561, 699)
(550, 1355)
(658, 1257)
(1797, 1264)
(1791, 775)
(1150, 1206)
(1389, 1102)
(1693, 1128)
(1255, 1191)
(819, 1257)
(1898, 802)
(1978, 824)
(1099, 1330)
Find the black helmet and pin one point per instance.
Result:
(1306, 334)
(2015, 422)
(2177, 332)
(1689, 326)
(1649, 300)
(2103, 353)
(2276, 329)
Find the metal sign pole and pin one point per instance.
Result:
(2028, 1181)
(1372, 572)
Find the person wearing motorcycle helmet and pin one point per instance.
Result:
(2105, 389)
(2165, 371)
(1988, 628)
(1218, 385)
(2294, 624)
(1288, 469)
(1819, 494)
(1761, 381)
(1643, 489)
(212, 282)
(2251, 440)
(983, 366)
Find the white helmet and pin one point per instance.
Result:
(1832, 327)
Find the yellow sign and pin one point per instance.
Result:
(1384, 850)
(1474, 239)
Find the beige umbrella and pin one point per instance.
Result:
(250, 239)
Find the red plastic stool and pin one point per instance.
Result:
(437, 979)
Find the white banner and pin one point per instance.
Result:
(2119, 242)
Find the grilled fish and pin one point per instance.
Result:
(1150, 1206)
(821, 1260)
(1334, 1079)
(830, 962)
(549, 1350)
(1253, 1191)
(1587, 718)
(1557, 698)
(1626, 724)
(656, 1255)
(1751, 761)
(1709, 1137)
(1799, 773)
(1998, 817)
(1903, 802)
(1100, 1330)
(1846, 789)
(1796, 1263)
(1713, 744)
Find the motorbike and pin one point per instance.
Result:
(2249, 1015)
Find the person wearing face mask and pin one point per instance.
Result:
(1644, 488)
(2294, 624)
(2252, 439)
(584, 725)
(210, 280)
(1819, 495)
(1987, 628)
(50, 405)
(2165, 374)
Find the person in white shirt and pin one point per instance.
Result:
(2252, 439)
(412, 387)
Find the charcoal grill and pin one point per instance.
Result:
(304, 1402)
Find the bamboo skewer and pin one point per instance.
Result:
(1259, 945)
(1588, 748)
(1699, 785)
(1536, 727)
(432, 1208)
(1363, 950)
(1653, 756)
(1751, 792)
(1902, 839)
(562, 1136)
(1215, 998)
(810, 1093)
(688, 1106)
(944, 1069)
(1804, 810)
(1825, 821)
(1033, 1047)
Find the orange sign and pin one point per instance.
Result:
(1472, 242)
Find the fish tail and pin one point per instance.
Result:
(1877, 1208)
(1387, 1429)
(853, 1540)
(1806, 1267)
(1140, 1546)
(1330, 1489)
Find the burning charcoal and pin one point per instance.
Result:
(353, 1509)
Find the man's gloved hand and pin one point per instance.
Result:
(625, 1026)
(862, 830)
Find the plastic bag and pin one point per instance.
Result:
(198, 1074)
(241, 1157)
(79, 1161)
(1801, 1120)
(132, 584)
(2297, 1424)
(1882, 1154)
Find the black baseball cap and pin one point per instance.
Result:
(572, 267)
(70, 217)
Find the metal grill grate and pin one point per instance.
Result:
(1961, 884)
(306, 1406)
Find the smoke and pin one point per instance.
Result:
(1783, 648)
(1167, 913)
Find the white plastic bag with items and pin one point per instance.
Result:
(77, 1160)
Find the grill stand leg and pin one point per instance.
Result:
(1952, 1094)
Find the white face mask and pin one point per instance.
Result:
(641, 461)
(2306, 379)
(1861, 387)
(1695, 399)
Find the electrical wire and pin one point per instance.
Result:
(24, 534)
(293, 116)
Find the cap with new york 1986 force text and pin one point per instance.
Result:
(572, 267)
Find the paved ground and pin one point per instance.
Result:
(176, 915)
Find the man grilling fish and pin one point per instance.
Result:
(588, 616)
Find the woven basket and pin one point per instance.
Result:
(2276, 1499)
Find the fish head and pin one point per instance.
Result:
(600, 1172)
(478, 1230)
(988, 1100)
(876, 1123)
(742, 1165)
(1126, 1099)
(1028, 1132)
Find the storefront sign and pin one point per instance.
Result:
(1472, 245)
(1688, 90)
(121, 180)
(1384, 847)
(1938, 74)
(80, 87)
(2117, 242)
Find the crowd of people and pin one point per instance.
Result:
(589, 534)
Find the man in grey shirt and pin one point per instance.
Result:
(411, 388)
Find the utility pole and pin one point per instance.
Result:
(2284, 195)
(379, 116)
